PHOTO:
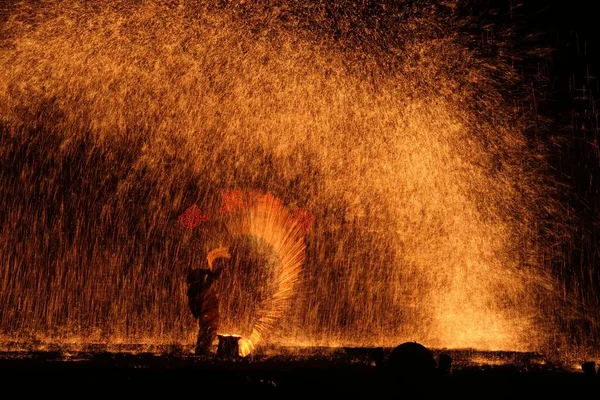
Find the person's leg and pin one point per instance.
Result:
(204, 339)
(208, 323)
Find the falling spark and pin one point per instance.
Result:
(431, 215)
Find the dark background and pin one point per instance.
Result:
(556, 50)
(569, 102)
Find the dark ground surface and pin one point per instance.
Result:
(344, 372)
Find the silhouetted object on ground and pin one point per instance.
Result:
(204, 305)
(444, 363)
(228, 347)
(412, 359)
(589, 368)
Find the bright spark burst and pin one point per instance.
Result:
(264, 288)
(430, 201)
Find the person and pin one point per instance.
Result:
(203, 300)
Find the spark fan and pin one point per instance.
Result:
(262, 218)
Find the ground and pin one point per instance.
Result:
(341, 372)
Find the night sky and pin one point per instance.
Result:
(567, 107)
(570, 103)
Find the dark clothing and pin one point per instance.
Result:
(204, 305)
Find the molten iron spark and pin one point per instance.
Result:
(433, 219)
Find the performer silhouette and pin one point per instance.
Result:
(202, 298)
